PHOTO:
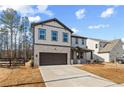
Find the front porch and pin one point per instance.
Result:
(81, 55)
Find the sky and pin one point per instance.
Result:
(102, 22)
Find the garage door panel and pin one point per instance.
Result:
(53, 58)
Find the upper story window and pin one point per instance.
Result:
(54, 36)
(82, 41)
(96, 45)
(76, 40)
(42, 33)
(65, 37)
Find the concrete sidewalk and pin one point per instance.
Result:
(69, 76)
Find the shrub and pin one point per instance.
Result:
(97, 61)
(32, 63)
(112, 61)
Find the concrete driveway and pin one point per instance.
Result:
(69, 76)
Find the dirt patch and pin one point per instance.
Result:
(23, 76)
(113, 72)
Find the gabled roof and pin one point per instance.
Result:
(73, 35)
(109, 46)
(100, 40)
(53, 19)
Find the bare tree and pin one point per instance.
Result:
(15, 35)
(10, 18)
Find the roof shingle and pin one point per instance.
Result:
(109, 46)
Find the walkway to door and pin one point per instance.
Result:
(69, 76)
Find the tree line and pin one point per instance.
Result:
(15, 35)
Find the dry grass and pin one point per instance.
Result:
(23, 76)
(108, 71)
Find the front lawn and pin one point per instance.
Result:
(23, 76)
(108, 71)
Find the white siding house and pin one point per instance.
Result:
(104, 56)
(105, 50)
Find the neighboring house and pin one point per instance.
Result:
(52, 43)
(79, 50)
(105, 50)
(123, 47)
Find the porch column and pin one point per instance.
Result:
(91, 54)
(74, 57)
(85, 55)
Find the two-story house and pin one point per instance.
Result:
(52, 43)
(106, 51)
(79, 51)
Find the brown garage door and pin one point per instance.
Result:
(53, 58)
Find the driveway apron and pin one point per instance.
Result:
(70, 76)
